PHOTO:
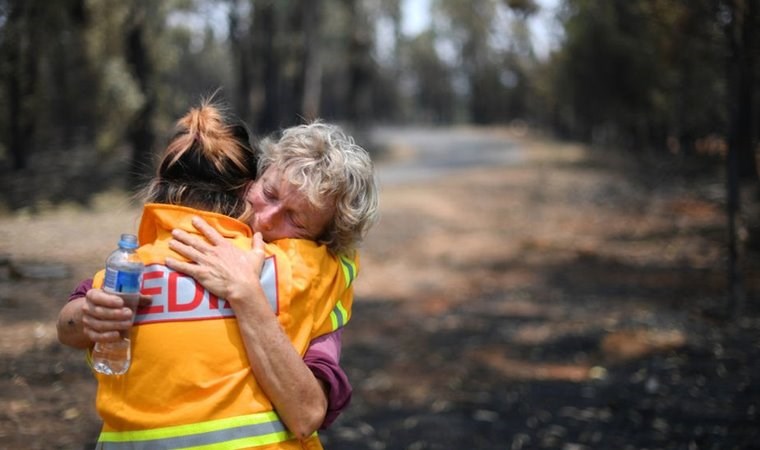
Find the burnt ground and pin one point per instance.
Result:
(571, 300)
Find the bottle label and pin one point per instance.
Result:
(122, 282)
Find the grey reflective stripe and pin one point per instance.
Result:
(269, 282)
(218, 437)
(339, 319)
(348, 270)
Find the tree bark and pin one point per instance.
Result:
(742, 82)
(240, 43)
(265, 54)
(22, 80)
(140, 131)
(312, 61)
(740, 161)
(360, 65)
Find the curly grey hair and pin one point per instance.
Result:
(328, 166)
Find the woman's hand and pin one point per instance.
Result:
(105, 317)
(225, 270)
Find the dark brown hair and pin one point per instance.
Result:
(207, 164)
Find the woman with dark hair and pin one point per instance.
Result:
(194, 352)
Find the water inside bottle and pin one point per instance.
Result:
(112, 358)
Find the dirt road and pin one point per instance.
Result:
(555, 298)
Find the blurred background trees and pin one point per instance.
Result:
(90, 88)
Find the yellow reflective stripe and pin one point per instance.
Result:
(253, 429)
(338, 316)
(182, 430)
(349, 270)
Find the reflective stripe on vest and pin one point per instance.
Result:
(269, 283)
(338, 316)
(235, 432)
(349, 270)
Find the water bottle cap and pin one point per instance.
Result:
(128, 241)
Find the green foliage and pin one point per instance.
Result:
(113, 77)
(637, 72)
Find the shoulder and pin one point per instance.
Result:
(302, 252)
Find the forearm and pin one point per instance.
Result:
(233, 274)
(70, 327)
(295, 392)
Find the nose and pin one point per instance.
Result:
(268, 217)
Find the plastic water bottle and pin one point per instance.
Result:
(123, 278)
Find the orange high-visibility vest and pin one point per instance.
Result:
(190, 383)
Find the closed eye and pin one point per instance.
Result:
(269, 193)
(296, 221)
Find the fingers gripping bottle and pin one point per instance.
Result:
(123, 277)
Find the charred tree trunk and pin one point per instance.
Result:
(740, 162)
(140, 131)
(21, 80)
(264, 26)
(241, 50)
(360, 66)
(742, 84)
(312, 62)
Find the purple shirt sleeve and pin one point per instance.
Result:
(322, 358)
(81, 290)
